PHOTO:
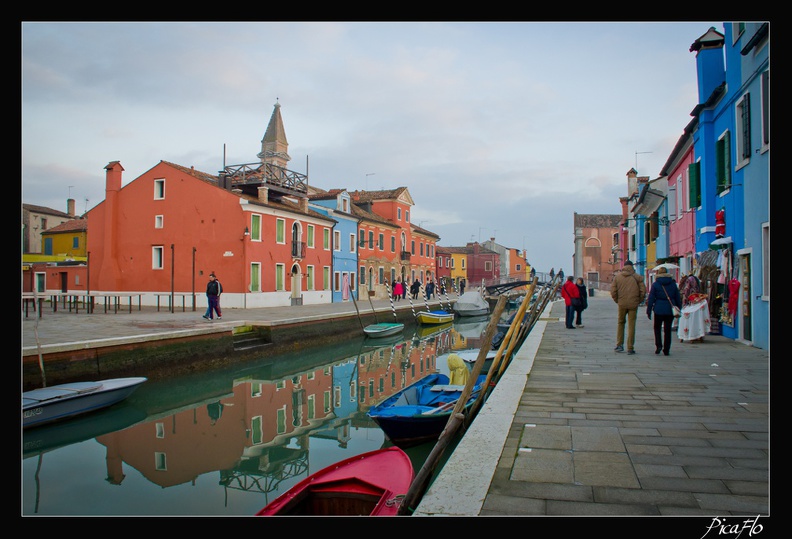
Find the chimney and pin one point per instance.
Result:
(263, 193)
(304, 204)
(70, 207)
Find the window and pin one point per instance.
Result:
(723, 163)
(398, 214)
(352, 243)
(160, 461)
(743, 129)
(280, 231)
(362, 274)
(381, 242)
(422, 249)
(517, 267)
(412, 247)
(336, 240)
(352, 286)
(453, 264)
(157, 257)
(76, 242)
(694, 185)
(371, 239)
(362, 235)
(309, 277)
(336, 281)
(280, 276)
(463, 263)
(43, 223)
(41, 280)
(765, 83)
(381, 274)
(488, 265)
(255, 277)
(158, 221)
(326, 277)
(311, 236)
(159, 189)
(393, 275)
(255, 227)
(345, 205)
(737, 30)
(326, 238)
(393, 244)
(407, 215)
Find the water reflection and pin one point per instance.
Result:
(229, 441)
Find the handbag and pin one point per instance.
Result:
(674, 308)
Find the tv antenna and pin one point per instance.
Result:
(636, 159)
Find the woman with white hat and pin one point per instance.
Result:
(663, 294)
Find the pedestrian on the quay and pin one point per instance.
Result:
(213, 291)
(662, 295)
(583, 305)
(461, 287)
(571, 295)
(415, 288)
(398, 289)
(430, 286)
(628, 291)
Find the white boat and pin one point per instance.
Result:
(383, 329)
(471, 304)
(434, 317)
(48, 404)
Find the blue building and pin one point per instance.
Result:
(337, 204)
(732, 149)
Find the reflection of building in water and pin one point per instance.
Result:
(257, 435)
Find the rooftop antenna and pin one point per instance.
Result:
(86, 205)
(636, 159)
(367, 175)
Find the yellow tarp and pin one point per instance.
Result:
(458, 371)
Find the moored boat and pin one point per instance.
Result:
(419, 412)
(48, 404)
(434, 317)
(369, 484)
(471, 304)
(383, 329)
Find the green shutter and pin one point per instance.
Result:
(694, 186)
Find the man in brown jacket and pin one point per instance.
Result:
(628, 291)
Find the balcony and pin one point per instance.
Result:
(404, 256)
(298, 249)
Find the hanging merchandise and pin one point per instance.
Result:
(720, 223)
(734, 290)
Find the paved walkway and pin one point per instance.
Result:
(573, 428)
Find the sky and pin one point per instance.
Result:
(498, 130)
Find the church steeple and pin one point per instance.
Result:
(274, 146)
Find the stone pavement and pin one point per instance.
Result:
(577, 429)
(572, 429)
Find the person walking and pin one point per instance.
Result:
(662, 295)
(461, 287)
(628, 291)
(213, 291)
(415, 288)
(430, 286)
(583, 305)
(571, 295)
(397, 289)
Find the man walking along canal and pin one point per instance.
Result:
(628, 291)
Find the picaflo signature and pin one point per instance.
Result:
(734, 529)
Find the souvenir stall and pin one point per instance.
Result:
(709, 293)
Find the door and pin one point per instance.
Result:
(744, 303)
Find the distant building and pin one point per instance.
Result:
(597, 249)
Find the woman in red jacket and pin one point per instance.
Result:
(571, 295)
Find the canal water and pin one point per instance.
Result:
(227, 442)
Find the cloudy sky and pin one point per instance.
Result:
(500, 130)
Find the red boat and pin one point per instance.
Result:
(372, 484)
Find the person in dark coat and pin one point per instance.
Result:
(663, 293)
(580, 307)
(415, 288)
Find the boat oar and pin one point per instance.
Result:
(357, 311)
(372, 310)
